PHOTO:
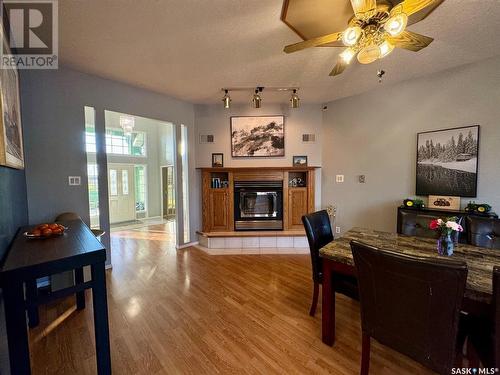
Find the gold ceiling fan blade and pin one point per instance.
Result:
(413, 6)
(410, 41)
(325, 39)
(364, 8)
(338, 68)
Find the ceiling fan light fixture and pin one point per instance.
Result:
(351, 35)
(226, 99)
(385, 48)
(396, 24)
(294, 99)
(347, 55)
(369, 54)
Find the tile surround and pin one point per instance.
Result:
(253, 245)
(254, 251)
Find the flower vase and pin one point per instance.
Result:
(445, 245)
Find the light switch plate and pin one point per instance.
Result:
(339, 178)
(74, 180)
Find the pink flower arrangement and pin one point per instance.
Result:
(446, 227)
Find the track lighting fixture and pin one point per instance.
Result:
(257, 95)
(226, 99)
(294, 99)
(257, 100)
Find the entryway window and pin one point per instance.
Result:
(120, 143)
(140, 189)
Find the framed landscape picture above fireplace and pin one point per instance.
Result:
(257, 136)
(447, 162)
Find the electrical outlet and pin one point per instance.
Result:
(337, 229)
(339, 178)
(74, 180)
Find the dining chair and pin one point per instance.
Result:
(74, 216)
(483, 232)
(319, 233)
(484, 332)
(410, 304)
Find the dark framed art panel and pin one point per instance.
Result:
(447, 162)
(257, 136)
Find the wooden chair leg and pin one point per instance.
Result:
(365, 354)
(312, 311)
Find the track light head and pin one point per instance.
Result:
(257, 100)
(294, 99)
(226, 99)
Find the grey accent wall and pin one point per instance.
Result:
(375, 134)
(53, 115)
(13, 214)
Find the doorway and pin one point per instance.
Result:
(168, 192)
(145, 186)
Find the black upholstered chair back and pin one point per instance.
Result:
(484, 232)
(319, 233)
(411, 304)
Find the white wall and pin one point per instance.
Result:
(214, 119)
(375, 134)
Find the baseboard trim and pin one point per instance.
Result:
(186, 245)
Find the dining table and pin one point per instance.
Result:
(337, 259)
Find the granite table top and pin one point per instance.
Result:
(480, 261)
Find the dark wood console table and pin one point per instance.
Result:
(28, 260)
(415, 221)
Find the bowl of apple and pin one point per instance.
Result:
(43, 231)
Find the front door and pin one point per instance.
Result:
(121, 193)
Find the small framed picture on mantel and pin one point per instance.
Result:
(300, 161)
(217, 160)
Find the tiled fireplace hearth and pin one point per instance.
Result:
(254, 243)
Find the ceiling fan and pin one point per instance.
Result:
(373, 32)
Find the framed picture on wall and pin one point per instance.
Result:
(11, 135)
(447, 162)
(257, 136)
(217, 160)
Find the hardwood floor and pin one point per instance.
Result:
(188, 312)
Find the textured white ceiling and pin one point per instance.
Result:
(189, 49)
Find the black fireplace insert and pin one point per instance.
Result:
(258, 205)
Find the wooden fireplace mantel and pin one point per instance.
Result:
(218, 203)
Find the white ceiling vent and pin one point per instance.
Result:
(308, 138)
(206, 138)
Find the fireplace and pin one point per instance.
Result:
(258, 205)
